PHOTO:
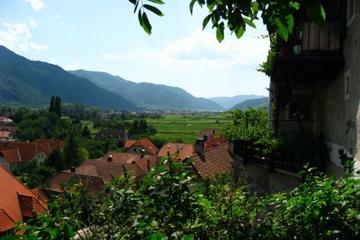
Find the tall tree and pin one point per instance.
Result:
(57, 106)
(52, 104)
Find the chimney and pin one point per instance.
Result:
(199, 147)
(73, 169)
(177, 148)
(110, 158)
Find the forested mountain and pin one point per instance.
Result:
(32, 83)
(229, 102)
(253, 103)
(148, 95)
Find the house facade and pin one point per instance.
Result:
(315, 82)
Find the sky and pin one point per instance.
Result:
(104, 35)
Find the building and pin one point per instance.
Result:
(17, 202)
(210, 138)
(179, 151)
(108, 133)
(6, 136)
(315, 81)
(95, 173)
(142, 146)
(213, 161)
(13, 154)
(4, 120)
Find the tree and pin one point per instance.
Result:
(236, 15)
(58, 106)
(72, 151)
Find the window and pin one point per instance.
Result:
(350, 11)
(347, 84)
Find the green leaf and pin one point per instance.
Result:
(281, 29)
(206, 21)
(191, 6)
(249, 22)
(158, 236)
(240, 31)
(157, 1)
(220, 32)
(144, 22)
(290, 22)
(153, 9)
(316, 12)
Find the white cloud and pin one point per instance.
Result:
(37, 5)
(32, 22)
(18, 37)
(202, 51)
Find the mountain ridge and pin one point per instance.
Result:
(149, 95)
(32, 83)
(229, 102)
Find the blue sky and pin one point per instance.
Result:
(104, 35)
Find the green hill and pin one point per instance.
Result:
(148, 95)
(32, 83)
(253, 103)
(229, 102)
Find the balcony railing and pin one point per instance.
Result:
(309, 39)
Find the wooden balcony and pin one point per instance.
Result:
(312, 53)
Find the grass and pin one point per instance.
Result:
(173, 128)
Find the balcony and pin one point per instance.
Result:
(311, 53)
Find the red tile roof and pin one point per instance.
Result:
(179, 151)
(214, 141)
(49, 145)
(17, 201)
(214, 161)
(144, 143)
(91, 183)
(105, 168)
(20, 152)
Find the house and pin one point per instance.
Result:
(95, 173)
(109, 133)
(210, 138)
(17, 202)
(143, 145)
(49, 144)
(4, 120)
(315, 82)
(179, 151)
(210, 162)
(13, 154)
(6, 136)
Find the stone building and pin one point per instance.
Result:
(315, 81)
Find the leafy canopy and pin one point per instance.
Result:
(236, 15)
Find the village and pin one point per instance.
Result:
(287, 170)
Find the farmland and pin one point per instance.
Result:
(185, 128)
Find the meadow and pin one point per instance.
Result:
(185, 128)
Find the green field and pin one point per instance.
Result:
(174, 128)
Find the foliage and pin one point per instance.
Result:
(250, 126)
(267, 66)
(55, 105)
(237, 15)
(171, 203)
(73, 152)
(141, 127)
(41, 124)
(34, 173)
(52, 225)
